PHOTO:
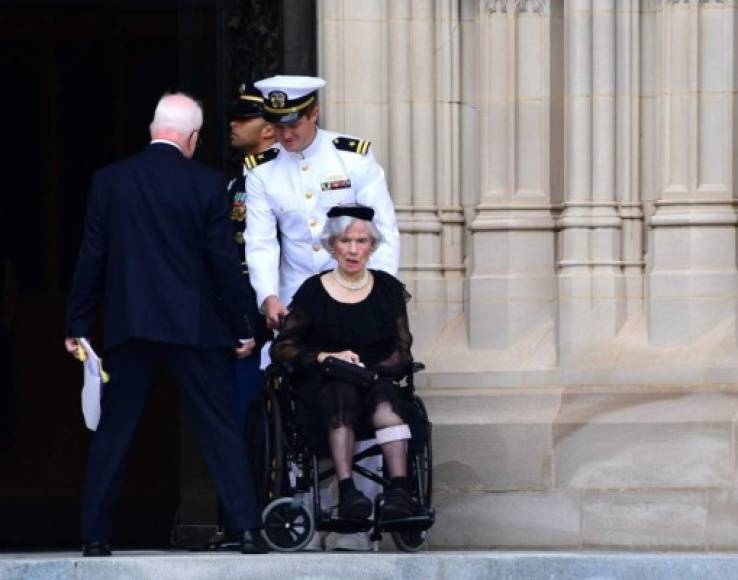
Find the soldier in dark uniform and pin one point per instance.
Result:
(251, 136)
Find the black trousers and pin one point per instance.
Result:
(205, 378)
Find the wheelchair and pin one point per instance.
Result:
(287, 473)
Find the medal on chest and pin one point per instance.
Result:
(333, 182)
(238, 209)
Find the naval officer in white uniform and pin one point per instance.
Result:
(290, 189)
(292, 186)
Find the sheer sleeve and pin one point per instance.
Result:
(396, 365)
(291, 345)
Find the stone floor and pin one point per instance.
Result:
(488, 565)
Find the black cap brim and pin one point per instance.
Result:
(286, 118)
(360, 212)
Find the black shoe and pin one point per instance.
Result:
(225, 542)
(354, 505)
(398, 504)
(96, 549)
(251, 542)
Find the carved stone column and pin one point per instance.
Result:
(693, 281)
(449, 151)
(512, 283)
(591, 294)
(628, 152)
(393, 72)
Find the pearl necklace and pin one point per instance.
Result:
(348, 284)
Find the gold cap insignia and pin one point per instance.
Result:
(278, 99)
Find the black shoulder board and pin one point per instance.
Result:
(351, 144)
(251, 161)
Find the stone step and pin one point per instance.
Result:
(495, 565)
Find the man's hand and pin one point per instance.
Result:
(273, 310)
(72, 345)
(245, 349)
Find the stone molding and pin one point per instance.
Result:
(518, 6)
(658, 2)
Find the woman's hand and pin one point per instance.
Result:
(347, 355)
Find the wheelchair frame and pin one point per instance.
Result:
(293, 471)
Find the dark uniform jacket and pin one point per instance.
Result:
(237, 193)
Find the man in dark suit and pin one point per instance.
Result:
(157, 246)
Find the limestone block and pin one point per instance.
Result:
(430, 564)
(492, 457)
(422, 9)
(357, 75)
(531, 83)
(520, 252)
(714, 116)
(399, 37)
(716, 37)
(477, 438)
(658, 520)
(518, 406)
(468, 10)
(365, 120)
(591, 309)
(506, 520)
(677, 146)
(501, 315)
(722, 519)
(641, 439)
(330, 9)
(347, 10)
(532, 120)
(636, 456)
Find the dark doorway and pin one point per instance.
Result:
(84, 82)
(80, 80)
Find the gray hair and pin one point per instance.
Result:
(336, 226)
(177, 112)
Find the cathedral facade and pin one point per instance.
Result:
(564, 177)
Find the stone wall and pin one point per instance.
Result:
(564, 179)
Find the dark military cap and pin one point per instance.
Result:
(249, 103)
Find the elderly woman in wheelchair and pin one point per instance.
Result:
(348, 341)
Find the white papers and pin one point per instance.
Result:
(266, 360)
(92, 388)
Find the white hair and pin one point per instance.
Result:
(177, 112)
(336, 226)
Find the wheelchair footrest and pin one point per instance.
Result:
(422, 522)
(345, 525)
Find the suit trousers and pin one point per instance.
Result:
(248, 381)
(205, 379)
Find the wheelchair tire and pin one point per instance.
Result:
(264, 434)
(287, 528)
(410, 540)
(422, 463)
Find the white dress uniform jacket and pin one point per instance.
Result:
(293, 192)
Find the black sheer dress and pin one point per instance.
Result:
(376, 329)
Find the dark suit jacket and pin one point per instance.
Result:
(158, 241)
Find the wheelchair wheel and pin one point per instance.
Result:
(410, 540)
(287, 528)
(421, 461)
(266, 452)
